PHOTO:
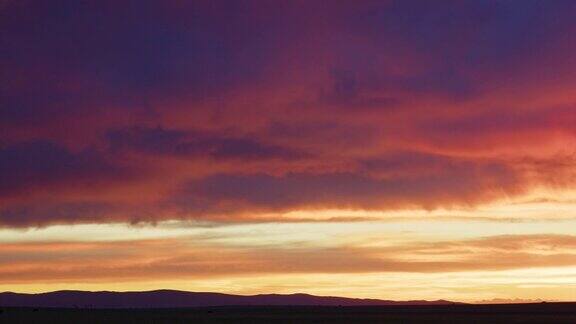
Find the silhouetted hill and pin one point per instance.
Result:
(175, 298)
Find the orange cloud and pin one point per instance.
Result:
(171, 259)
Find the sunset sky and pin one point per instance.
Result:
(384, 149)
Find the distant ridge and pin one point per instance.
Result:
(176, 298)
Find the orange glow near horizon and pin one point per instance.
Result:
(470, 255)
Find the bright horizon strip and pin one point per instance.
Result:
(383, 230)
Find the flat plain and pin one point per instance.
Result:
(510, 314)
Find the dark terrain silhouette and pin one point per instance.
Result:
(175, 299)
(169, 306)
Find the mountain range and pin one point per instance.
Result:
(177, 299)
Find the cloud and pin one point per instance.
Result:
(192, 144)
(430, 186)
(159, 259)
(166, 110)
(41, 164)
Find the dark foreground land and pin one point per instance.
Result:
(517, 313)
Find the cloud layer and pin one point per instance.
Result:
(149, 110)
(203, 258)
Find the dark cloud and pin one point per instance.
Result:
(191, 144)
(233, 193)
(39, 214)
(272, 106)
(348, 92)
(24, 166)
(82, 58)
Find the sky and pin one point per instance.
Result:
(384, 149)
